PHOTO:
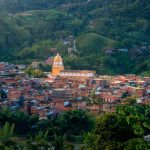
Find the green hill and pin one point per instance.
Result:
(94, 43)
(95, 24)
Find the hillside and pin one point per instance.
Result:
(95, 24)
(93, 43)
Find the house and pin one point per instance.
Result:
(35, 65)
(123, 50)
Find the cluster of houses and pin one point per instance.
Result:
(10, 69)
(134, 49)
(80, 89)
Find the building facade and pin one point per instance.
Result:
(77, 73)
(57, 65)
(58, 70)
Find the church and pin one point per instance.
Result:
(58, 70)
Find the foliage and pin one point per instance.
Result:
(109, 133)
(45, 67)
(59, 142)
(138, 117)
(75, 121)
(7, 131)
(7, 138)
(29, 29)
(40, 138)
(130, 100)
(34, 73)
(146, 73)
(39, 141)
(93, 43)
(37, 51)
(121, 130)
(113, 131)
(69, 146)
(23, 122)
(144, 68)
(137, 144)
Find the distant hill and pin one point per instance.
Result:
(95, 24)
(94, 43)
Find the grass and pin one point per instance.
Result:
(92, 42)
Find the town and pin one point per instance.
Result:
(63, 90)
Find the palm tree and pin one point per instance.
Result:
(6, 135)
(7, 131)
(8, 140)
(40, 141)
(58, 142)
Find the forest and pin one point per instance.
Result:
(31, 28)
(108, 36)
(124, 129)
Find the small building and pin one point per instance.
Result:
(77, 73)
(49, 61)
(35, 65)
(59, 93)
(123, 50)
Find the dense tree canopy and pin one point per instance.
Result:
(29, 29)
(123, 129)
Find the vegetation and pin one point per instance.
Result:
(29, 29)
(93, 43)
(122, 130)
(34, 73)
(31, 133)
(7, 131)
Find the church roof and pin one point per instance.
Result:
(57, 58)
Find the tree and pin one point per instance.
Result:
(75, 121)
(45, 68)
(7, 131)
(58, 142)
(29, 71)
(23, 122)
(110, 132)
(6, 136)
(34, 73)
(137, 144)
(137, 116)
(38, 74)
(130, 101)
(39, 141)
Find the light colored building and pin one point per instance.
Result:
(58, 70)
(57, 65)
(77, 73)
(35, 65)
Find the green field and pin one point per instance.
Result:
(92, 42)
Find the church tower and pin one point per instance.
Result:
(57, 65)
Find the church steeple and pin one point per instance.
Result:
(58, 60)
(57, 65)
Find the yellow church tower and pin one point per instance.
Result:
(57, 65)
